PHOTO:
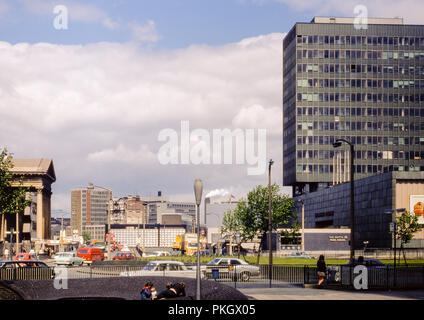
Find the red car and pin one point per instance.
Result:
(124, 256)
(24, 257)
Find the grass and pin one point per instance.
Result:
(276, 260)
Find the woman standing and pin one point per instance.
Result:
(321, 269)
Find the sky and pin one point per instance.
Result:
(95, 93)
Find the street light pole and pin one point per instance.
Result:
(337, 144)
(270, 223)
(303, 225)
(198, 189)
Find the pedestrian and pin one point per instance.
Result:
(6, 253)
(146, 292)
(321, 269)
(172, 291)
(360, 260)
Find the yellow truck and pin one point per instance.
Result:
(187, 243)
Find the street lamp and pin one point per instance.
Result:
(108, 218)
(270, 223)
(198, 189)
(337, 144)
(300, 201)
(393, 227)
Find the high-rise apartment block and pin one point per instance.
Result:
(361, 83)
(89, 210)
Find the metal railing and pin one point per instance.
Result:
(381, 277)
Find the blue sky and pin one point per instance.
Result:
(178, 23)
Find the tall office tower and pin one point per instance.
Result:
(364, 84)
(89, 210)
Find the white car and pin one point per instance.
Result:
(68, 258)
(156, 254)
(230, 268)
(162, 268)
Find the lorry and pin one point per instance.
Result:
(187, 243)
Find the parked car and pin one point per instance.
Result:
(230, 268)
(300, 255)
(24, 257)
(370, 263)
(163, 268)
(68, 258)
(124, 256)
(156, 254)
(90, 254)
(25, 270)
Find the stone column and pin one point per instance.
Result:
(39, 226)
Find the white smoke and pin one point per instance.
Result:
(217, 192)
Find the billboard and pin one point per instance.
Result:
(416, 205)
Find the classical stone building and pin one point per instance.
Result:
(34, 223)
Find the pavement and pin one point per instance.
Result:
(299, 293)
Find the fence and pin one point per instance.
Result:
(381, 277)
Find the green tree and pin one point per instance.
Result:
(13, 198)
(407, 224)
(86, 236)
(252, 213)
(230, 227)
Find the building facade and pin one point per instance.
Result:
(33, 224)
(89, 208)
(374, 197)
(362, 85)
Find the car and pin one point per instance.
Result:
(124, 256)
(156, 254)
(231, 268)
(25, 270)
(369, 263)
(23, 257)
(90, 254)
(300, 255)
(162, 268)
(68, 258)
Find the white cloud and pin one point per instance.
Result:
(78, 11)
(146, 33)
(411, 10)
(97, 109)
(123, 154)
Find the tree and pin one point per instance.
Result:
(13, 199)
(252, 213)
(407, 224)
(230, 226)
(86, 236)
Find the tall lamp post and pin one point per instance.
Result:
(108, 218)
(393, 227)
(337, 144)
(270, 223)
(300, 201)
(198, 189)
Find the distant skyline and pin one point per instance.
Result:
(94, 97)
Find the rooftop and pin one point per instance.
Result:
(342, 20)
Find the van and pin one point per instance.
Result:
(90, 254)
